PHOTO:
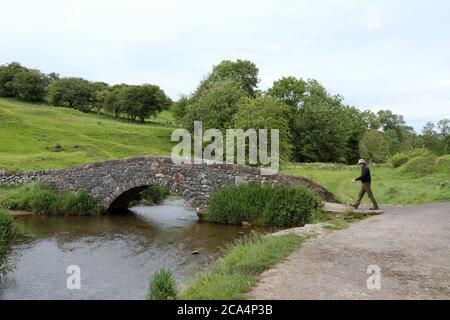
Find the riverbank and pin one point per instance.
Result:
(237, 272)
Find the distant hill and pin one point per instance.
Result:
(36, 137)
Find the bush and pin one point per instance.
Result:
(419, 166)
(162, 286)
(399, 159)
(262, 205)
(40, 199)
(153, 195)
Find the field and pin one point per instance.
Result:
(389, 185)
(36, 137)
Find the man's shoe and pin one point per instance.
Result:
(374, 208)
(353, 206)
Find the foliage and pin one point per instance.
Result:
(234, 275)
(262, 205)
(7, 74)
(162, 286)
(373, 146)
(153, 195)
(42, 200)
(215, 107)
(400, 158)
(243, 72)
(74, 93)
(141, 102)
(419, 166)
(290, 90)
(265, 112)
(30, 85)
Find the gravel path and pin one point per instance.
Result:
(409, 244)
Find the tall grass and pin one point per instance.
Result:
(42, 200)
(6, 233)
(236, 273)
(162, 286)
(262, 205)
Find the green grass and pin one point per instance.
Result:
(262, 205)
(236, 273)
(162, 286)
(42, 200)
(29, 132)
(7, 230)
(390, 185)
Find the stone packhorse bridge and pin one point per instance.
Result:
(116, 183)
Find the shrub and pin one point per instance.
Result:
(162, 286)
(40, 199)
(262, 205)
(399, 159)
(153, 195)
(419, 166)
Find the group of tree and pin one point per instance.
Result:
(314, 125)
(137, 102)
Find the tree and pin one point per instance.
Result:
(266, 112)
(7, 74)
(319, 135)
(373, 146)
(74, 93)
(179, 108)
(290, 90)
(389, 120)
(141, 102)
(243, 72)
(216, 106)
(30, 85)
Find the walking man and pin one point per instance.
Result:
(366, 181)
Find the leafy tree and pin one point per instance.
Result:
(243, 72)
(7, 74)
(389, 120)
(112, 100)
(266, 112)
(141, 102)
(319, 134)
(290, 90)
(30, 85)
(373, 146)
(179, 108)
(216, 106)
(74, 93)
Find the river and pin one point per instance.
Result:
(116, 254)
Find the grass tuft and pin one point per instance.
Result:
(162, 286)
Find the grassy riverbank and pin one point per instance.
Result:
(36, 137)
(234, 275)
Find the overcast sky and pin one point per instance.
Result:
(378, 54)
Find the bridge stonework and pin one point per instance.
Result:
(115, 183)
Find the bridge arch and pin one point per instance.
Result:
(115, 182)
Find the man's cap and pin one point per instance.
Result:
(362, 161)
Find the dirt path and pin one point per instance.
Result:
(410, 245)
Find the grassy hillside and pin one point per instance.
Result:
(37, 137)
(389, 185)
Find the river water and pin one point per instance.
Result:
(116, 254)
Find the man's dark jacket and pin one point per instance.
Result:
(365, 175)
